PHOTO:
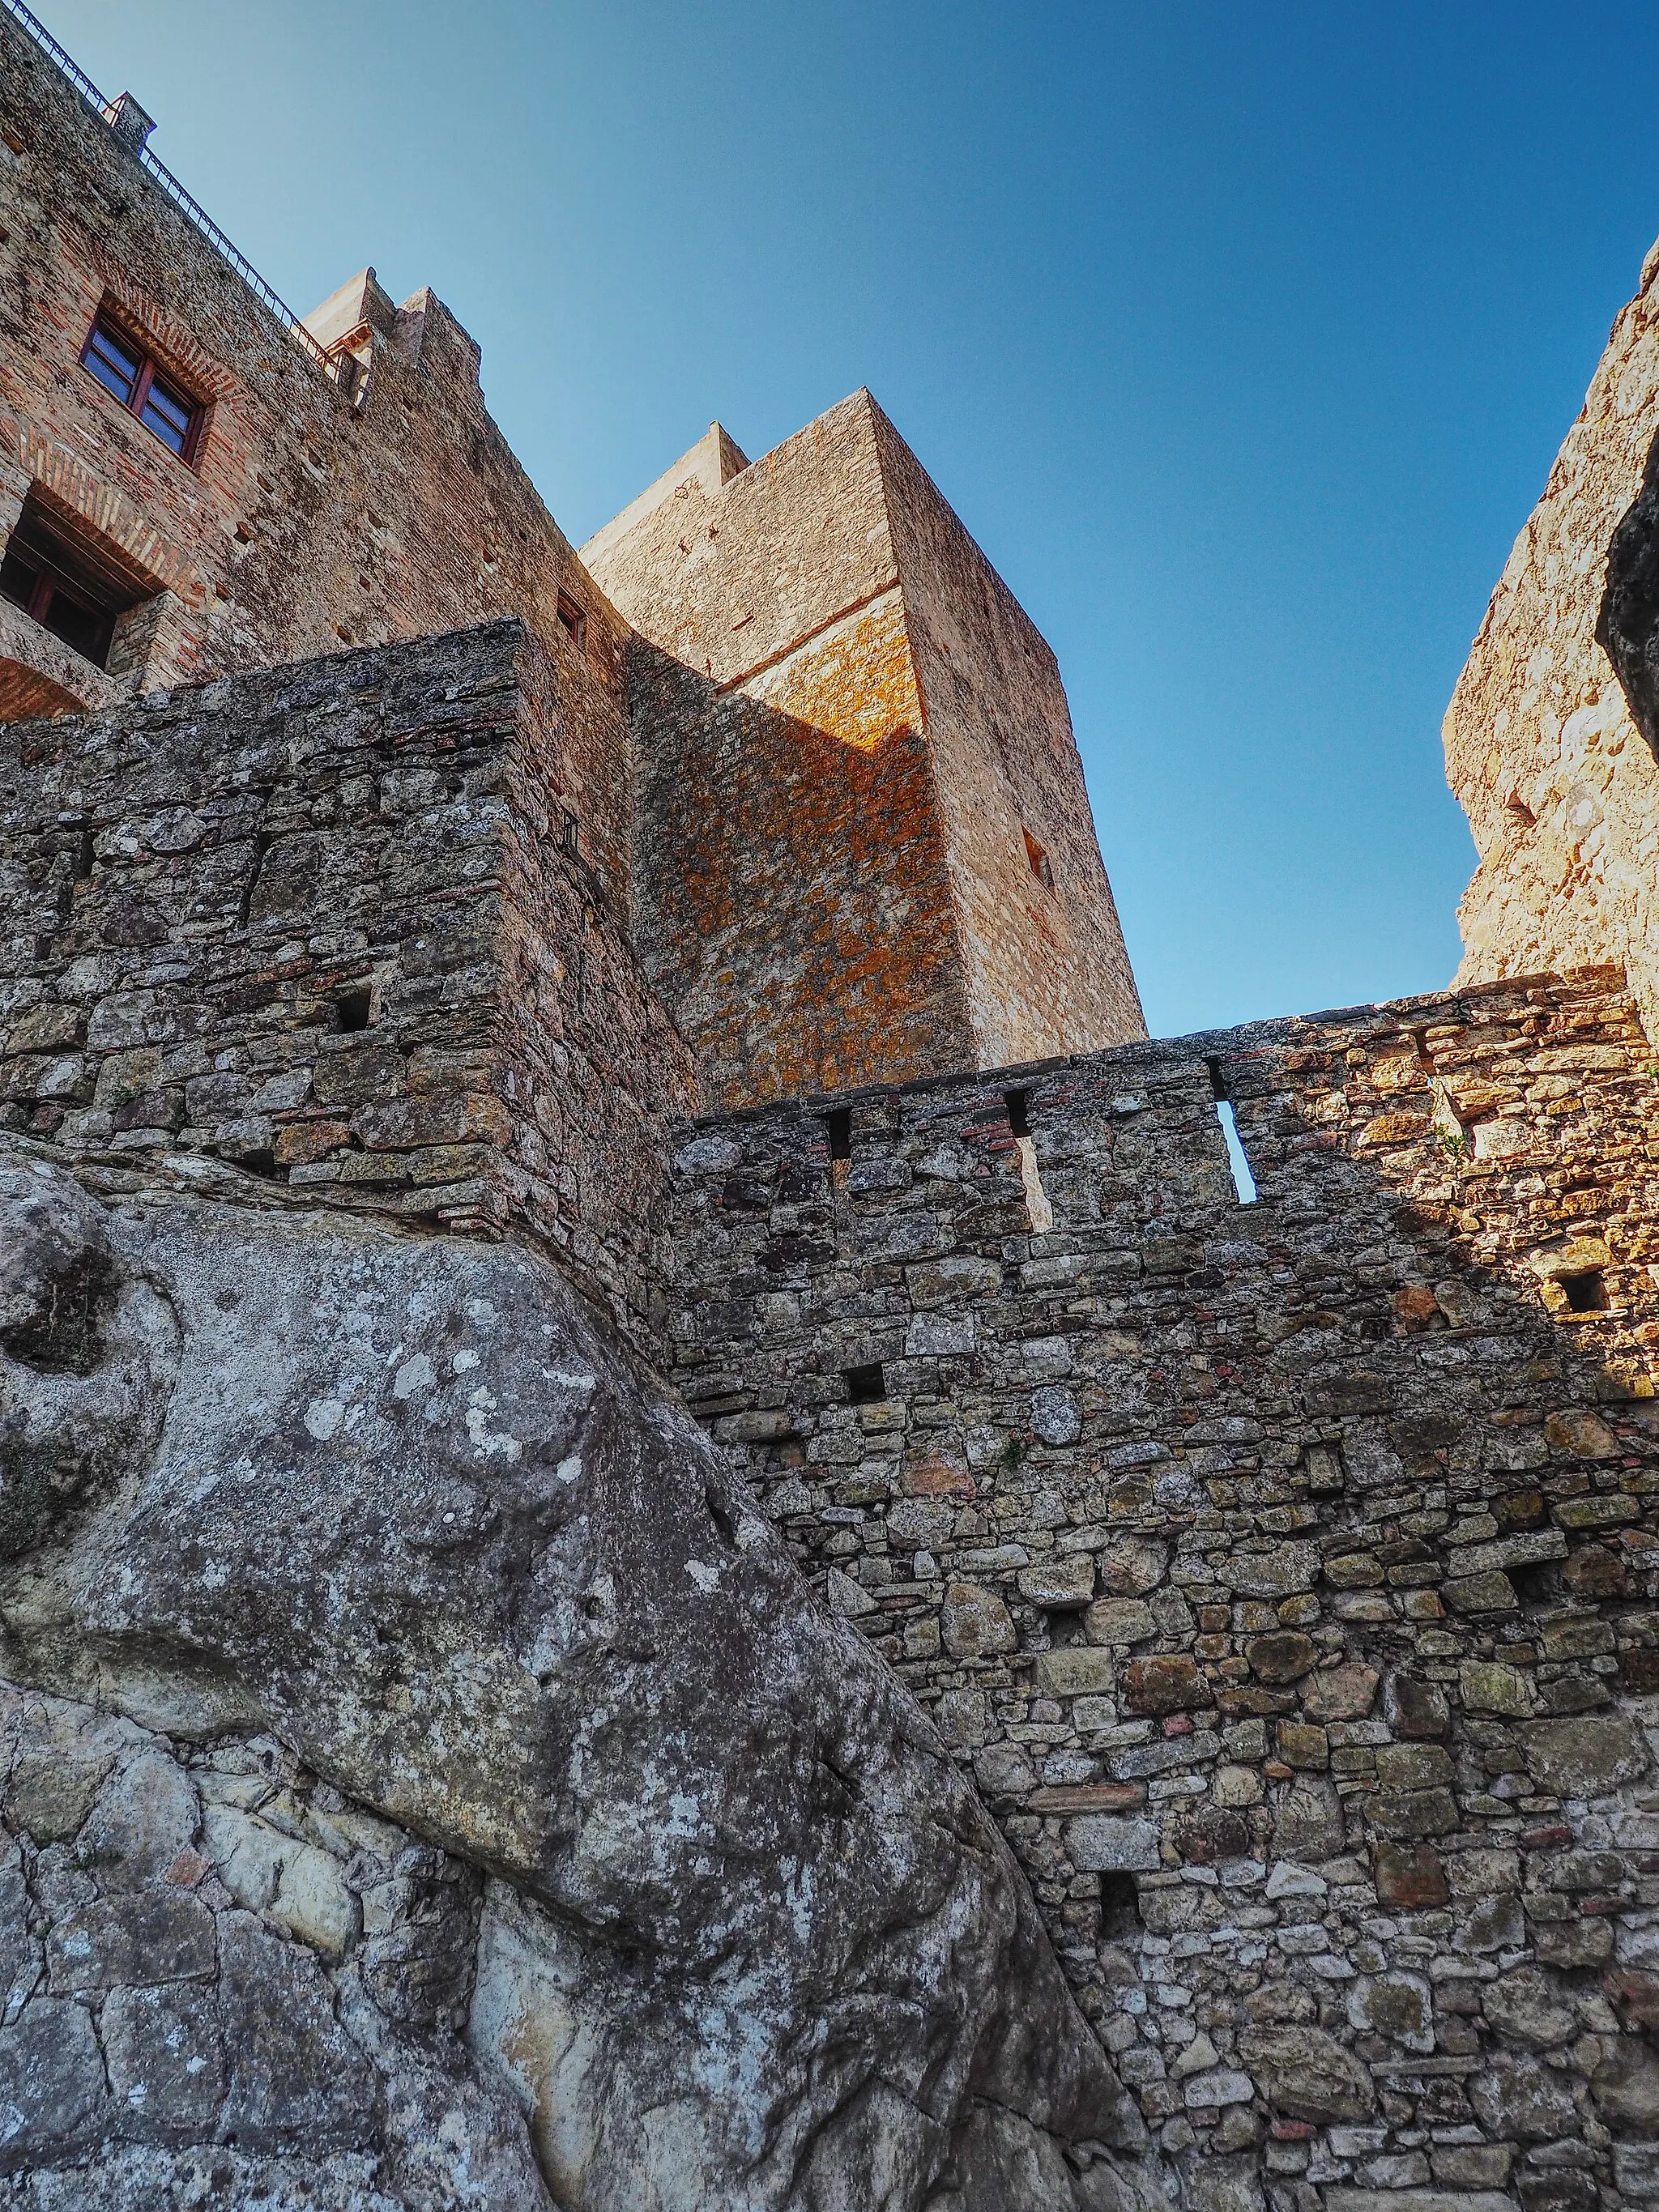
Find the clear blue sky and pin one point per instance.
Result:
(1242, 337)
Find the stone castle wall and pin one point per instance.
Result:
(1043, 957)
(321, 924)
(1286, 1571)
(848, 730)
(309, 518)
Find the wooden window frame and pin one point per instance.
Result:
(150, 369)
(1041, 866)
(64, 568)
(568, 613)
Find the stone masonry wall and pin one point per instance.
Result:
(308, 518)
(1042, 952)
(1288, 1571)
(846, 726)
(1560, 788)
(321, 925)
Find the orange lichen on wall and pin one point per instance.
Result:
(824, 821)
(857, 682)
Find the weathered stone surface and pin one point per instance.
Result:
(1101, 1840)
(494, 1585)
(975, 1622)
(1586, 1756)
(1310, 1823)
(1283, 1657)
(1169, 1685)
(1521, 2101)
(1060, 1584)
(1307, 2074)
(1411, 1876)
(1523, 2009)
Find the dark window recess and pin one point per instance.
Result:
(355, 1010)
(570, 834)
(1120, 1908)
(1019, 1118)
(126, 371)
(865, 1385)
(838, 1123)
(1039, 860)
(1535, 1582)
(1586, 1293)
(572, 621)
(64, 584)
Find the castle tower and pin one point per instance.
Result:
(863, 848)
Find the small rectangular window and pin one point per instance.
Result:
(1586, 1292)
(1039, 860)
(62, 584)
(865, 1386)
(838, 1122)
(572, 621)
(128, 373)
(570, 833)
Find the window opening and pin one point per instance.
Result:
(572, 621)
(1039, 1212)
(570, 833)
(1237, 1158)
(838, 1122)
(129, 374)
(1120, 1908)
(355, 1010)
(1039, 864)
(865, 1386)
(1586, 1292)
(1243, 1180)
(62, 584)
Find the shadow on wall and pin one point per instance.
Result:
(1627, 625)
(1286, 1571)
(792, 906)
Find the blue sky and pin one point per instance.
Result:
(1242, 337)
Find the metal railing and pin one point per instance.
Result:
(342, 367)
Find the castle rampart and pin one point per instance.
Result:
(1144, 1690)
(323, 923)
(1286, 1570)
(310, 513)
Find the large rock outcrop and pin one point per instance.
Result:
(428, 1784)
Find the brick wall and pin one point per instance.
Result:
(307, 519)
(1286, 1571)
(320, 924)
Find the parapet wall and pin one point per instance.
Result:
(1286, 1570)
(321, 925)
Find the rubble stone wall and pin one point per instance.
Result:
(322, 925)
(846, 727)
(1287, 1570)
(309, 518)
(1044, 957)
(1559, 784)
